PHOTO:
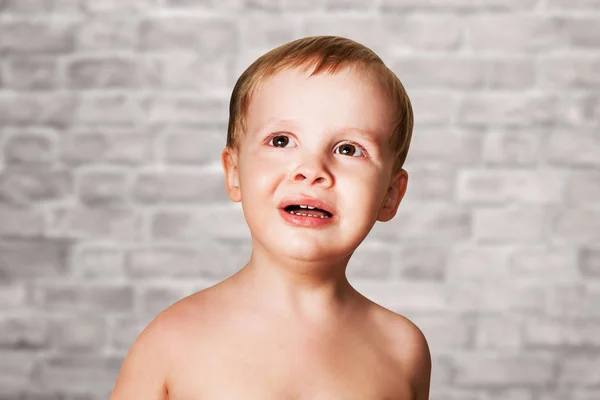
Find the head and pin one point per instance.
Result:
(324, 117)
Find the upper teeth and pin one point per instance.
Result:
(309, 207)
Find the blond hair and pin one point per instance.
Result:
(324, 53)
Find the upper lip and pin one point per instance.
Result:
(306, 201)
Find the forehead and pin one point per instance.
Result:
(321, 102)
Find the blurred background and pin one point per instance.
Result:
(113, 115)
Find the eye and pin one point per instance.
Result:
(279, 140)
(351, 148)
(348, 148)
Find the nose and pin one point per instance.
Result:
(310, 173)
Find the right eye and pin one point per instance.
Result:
(279, 140)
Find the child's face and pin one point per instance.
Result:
(312, 156)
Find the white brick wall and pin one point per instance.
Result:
(113, 114)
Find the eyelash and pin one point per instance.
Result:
(274, 135)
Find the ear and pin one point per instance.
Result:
(229, 160)
(393, 197)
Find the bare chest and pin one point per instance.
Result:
(262, 364)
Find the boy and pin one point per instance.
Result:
(319, 129)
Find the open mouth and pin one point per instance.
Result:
(307, 211)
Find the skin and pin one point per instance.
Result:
(301, 319)
(300, 272)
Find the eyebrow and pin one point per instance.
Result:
(272, 123)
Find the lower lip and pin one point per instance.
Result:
(299, 220)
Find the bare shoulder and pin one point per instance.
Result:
(410, 349)
(145, 369)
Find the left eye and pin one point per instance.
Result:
(351, 149)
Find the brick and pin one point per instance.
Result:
(44, 36)
(589, 262)
(345, 5)
(498, 331)
(266, 32)
(497, 186)
(97, 262)
(29, 148)
(100, 188)
(117, 147)
(474, 369)
(572, 393)
(572, 300)
(581, 369)
(32, 73)
(125, 330)
(578, 225)
(78, 298)
(514, 147)
(511, 394)
(34, 258)
(186, 109)
(583, 187)
(500, 296)
(445, 145)
(433, 107)
(78, 372)
(205, 36)
(578, 110)
(263, 5)
(197, 146)
(440, 72)
(112, 72)
(481, 263)
(37, 7)
(434, 221)
(422, 263)
(301, 7)
(118, 5)
(173, 187)
(555, 264)
(445, 332)
(510, 73)
(108, 110)
(16, 368)
(370, 262)
(21, 221)
(503, 109)
(23, 333)
(32, 185)
(561, 332)
(54, 110)
(211, 260)
(565, 148)
(154, 300)
(108, 31)
(576, 72)
(81, 222)
(513, 33)
(421, 32)
(581, 32)
(456, 5)
(77, 333)
(405, 297)
(13, 296)
(223, 222)
(432, 182)
(229, 5)
(365, 30)
(573, 4)
(523, 223)
(195, 73)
